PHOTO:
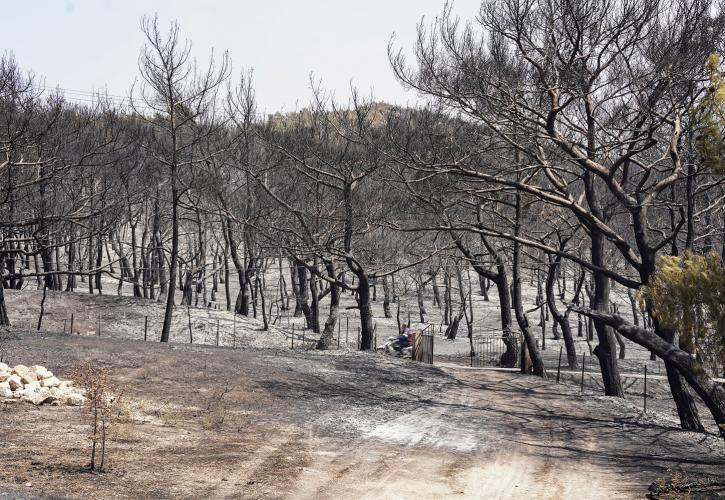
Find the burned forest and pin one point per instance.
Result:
(514, 283)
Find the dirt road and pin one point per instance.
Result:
(225, 423)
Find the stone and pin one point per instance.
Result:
(4, 376)
(32, 385)
(14, 382)
(29, 378)
(41, 371)
(29, 392)
(5, 392)
(4, 367)
(38, 398)
(50, 382)
(20, 370)
(73, 399)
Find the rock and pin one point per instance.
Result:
(5, 392)
(28, 392)
(72, 399)
(29, 378)
(20, 370)
(32, 385)
(14, 382)
(41, 371)
(4, 367)
(4, 376)
(38, 398)
(50, 382)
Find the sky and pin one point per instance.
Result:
(87, 45)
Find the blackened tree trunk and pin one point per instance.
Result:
(386, 298)
(685, 403)
(711, 392)
(605, 351)
(137, 292)
(436, 291)
(70, 284)
(315, 303)
(295, 289)
(302, 290)
(242, 305)
(500, 279)
(4, 320)
(419, 295)
(363, 300)
(560, 318)
(174, 256)
(521, 319)
(327, 337)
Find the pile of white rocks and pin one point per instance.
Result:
(37, 385)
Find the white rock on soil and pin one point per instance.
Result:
(14, 382)
(38, 398)
(72, 399)
(42, 371)
(55, 391)
(38, 385)
(30, 391)
(20, 370)
(50, 382)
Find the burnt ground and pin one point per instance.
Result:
(206, 422)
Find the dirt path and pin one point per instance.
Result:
(313, 425)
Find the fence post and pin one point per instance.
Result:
(234, 330)
(432, 341)
(584, 357)
(347, 331)
(217, 333)
(558, 369)
(645, 388)
(543, 329)
(65, 321)
(358, 338)
(71, 323)
(145, 327)
(99, 323)
(293, 336)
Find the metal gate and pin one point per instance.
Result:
(489, 350)
(423, 345)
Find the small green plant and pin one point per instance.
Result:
(104, 405)
(709, 117)
(687, 294)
